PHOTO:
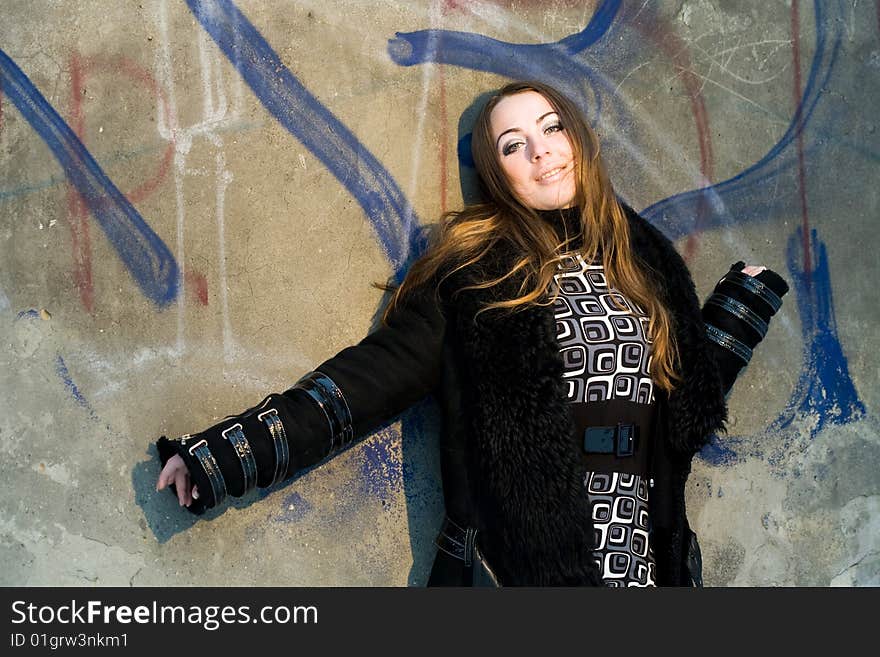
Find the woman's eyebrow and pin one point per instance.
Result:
(538, 120)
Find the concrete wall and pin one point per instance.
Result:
(195, 196)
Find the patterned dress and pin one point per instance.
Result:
(606, 353)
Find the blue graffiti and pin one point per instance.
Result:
(145, 255)
(294, 508)
(824, 387)
(722, 451)
(61, 370)
(754, 194)
(301, 114)
(64, 375)
(381, 468)
(824, 393)
(30, 314)
(109, 160)
(748, 196)
(554, 63)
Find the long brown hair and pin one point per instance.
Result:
(466, 236)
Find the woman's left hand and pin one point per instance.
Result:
(753, 270)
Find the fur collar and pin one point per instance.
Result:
(524, 466)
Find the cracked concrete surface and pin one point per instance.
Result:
(276, 256)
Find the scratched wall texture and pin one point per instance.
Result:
(196, 194)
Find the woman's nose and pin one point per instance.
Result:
(540, 148)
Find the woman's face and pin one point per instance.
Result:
(534, 151)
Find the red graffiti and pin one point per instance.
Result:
(677, 50)
(134, 71)
(197, 285)
(78, 214)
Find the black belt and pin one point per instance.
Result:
(212, 470)
(329, 398)
(726, 340)
(461, 543)
(279, 440)
(756, 287)
(619, 440)
(235, 436)
(457, 541)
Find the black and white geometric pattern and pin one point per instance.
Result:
(606, 351)
(620, 518)
(606, 354)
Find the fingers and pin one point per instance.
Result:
(753, 270)
(167, 475)
(175, 472)
(181, 483)
(164, 476)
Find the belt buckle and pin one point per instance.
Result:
(625, 440)
(194, 447)
(599, 440)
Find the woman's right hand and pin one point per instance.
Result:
(175, 472)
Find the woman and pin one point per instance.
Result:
(563, 338)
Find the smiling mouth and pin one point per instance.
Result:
(544, 177)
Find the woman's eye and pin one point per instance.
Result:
(553, 127)
(511, 147)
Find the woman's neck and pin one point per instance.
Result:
(566, 223)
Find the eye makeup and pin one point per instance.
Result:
(552, 126)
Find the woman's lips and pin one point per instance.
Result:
(551, 175)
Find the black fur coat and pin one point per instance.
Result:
(510, 465)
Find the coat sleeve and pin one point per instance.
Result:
(393, 367)
(737, 317)
(342, 400)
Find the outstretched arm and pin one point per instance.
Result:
(342, 400)
(737, 316)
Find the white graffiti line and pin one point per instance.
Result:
(627, 76)
(427, 79)
(779, 43)
(216, 117)
(724, 67)
(224, 177)
(505, 21)
(611, 128)
(633, 19)
(205, 70)
(212, 83)
(770, 114)
(165, 74)
(238, 84)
